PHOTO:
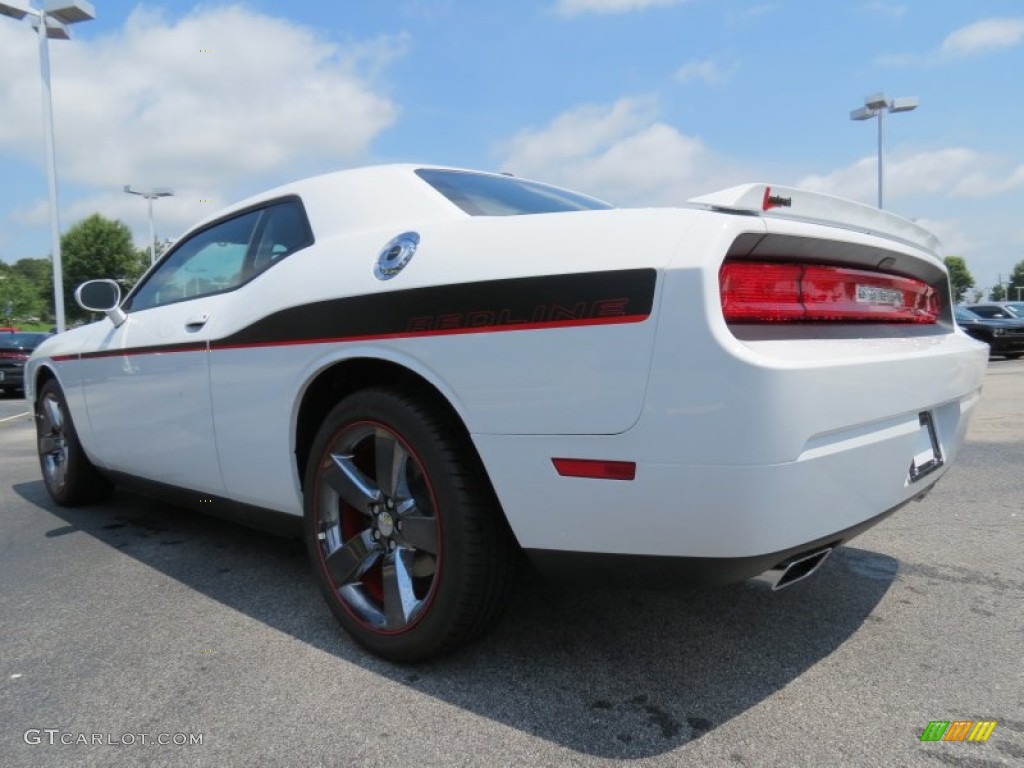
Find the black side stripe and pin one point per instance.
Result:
(157, 349)
(592, 298)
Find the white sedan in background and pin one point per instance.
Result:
(429, 371)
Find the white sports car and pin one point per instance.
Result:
(431, 370)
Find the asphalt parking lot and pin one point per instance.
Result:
(134, 619)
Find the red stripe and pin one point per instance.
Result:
(150, 350)
(171, 349)
(447, 332)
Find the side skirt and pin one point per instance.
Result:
(267, 520)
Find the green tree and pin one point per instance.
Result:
(998, 293)
(1017, 280)
(96, 247)
(960, 278)
(19, 298)
(38, 273)
(33, 270)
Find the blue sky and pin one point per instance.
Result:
(642, 102)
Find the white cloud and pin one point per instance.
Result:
(149, 106)
(579, 7)
(984, 35)
(954, 172)
(171, 215)
(33, 214)
(979, 37)
(707, 70)
(621, 152)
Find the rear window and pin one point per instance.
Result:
(480, 194)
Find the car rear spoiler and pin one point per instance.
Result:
(801, 205)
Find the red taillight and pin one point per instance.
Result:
(14, 355)
(757, 292)
(595, 468)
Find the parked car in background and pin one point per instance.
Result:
(1004, 335)
(999, 310)
(429, 372)
(15, 349)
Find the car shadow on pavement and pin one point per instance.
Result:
(613, 674)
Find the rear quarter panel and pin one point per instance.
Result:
(548, 380)
(586, 379)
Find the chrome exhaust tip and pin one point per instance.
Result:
(794, 569)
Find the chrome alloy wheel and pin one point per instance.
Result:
(53, 441)
(378, 534)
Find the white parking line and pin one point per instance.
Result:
(15, 416)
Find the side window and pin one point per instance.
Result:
(283, 230)
(209, 262)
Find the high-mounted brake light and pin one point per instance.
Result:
(761, 292)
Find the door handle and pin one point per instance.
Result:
(196, 322)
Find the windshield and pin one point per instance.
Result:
(480, 194)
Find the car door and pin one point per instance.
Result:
(147, 387)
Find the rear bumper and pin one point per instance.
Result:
(767, 449)
(646, 571)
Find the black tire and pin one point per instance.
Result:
(69, 476)
(405, 535)
(1013, 355)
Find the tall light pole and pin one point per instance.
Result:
(877, 105)
(51, 21)
(150, 195)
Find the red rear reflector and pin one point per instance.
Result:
(595, 468)
(754, 292)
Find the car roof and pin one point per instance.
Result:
(362, 198)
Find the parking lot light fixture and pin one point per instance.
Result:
(150, 195)
(51, 21)
(876, 105)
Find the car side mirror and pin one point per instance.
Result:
(102, 296)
